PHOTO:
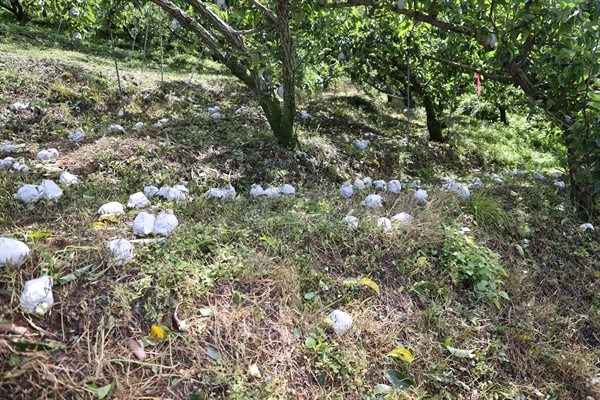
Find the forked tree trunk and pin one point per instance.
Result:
(229, 48)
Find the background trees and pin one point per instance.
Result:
(547, 49)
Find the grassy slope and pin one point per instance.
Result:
(253, 279)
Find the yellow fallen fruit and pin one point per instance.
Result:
(157, 332)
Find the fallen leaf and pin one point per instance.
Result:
(39, 235)
(402, 354)
(350, 281)
(398, 379)
(253, 370)
(368, 282)
(98, 225)
(214, 354)
(108, 217)
(460, 352)
(157, 332)
(137, 350)
(14, 329)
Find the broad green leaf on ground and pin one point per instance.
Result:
(382, 389)
(34, 346)
(214, 354)
(398, 379)
(310, 342)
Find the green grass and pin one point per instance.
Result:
(251, 280)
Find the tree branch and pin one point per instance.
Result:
(414, 15)
(523, 57)
(489, 75)
(264, 9)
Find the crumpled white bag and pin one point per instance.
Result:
(373, 200)
(143, 224)
(346, 190)
(6, 163)
(585, 227)
(368, 181)
(351, 221)
(271, 192)
(20, 167)
(520, 173)
(464, 192)
(421, 195)
(28, 194)
(47, 154)
(77, 136)
(538, 176)
(175, 25)
(380, 184)
(122, 251)
(415, 184)
(340, 322)
(288, 189)
(37, 296)
(362, 144)
(403, 218)
(151, 191)
(477, 184)
(137, 201)
(384, 223)
(305, 116)
(212, 110)
(216, 115)
(497, 179)
(77, 36)
(559, 184)
(113, 208)
(358, 184)
(67, 178)
(256, 191)
(19, 106)
(172, 193)
(221, 193)
(138, 125)
(161, 122)
(50, 190)
(556, 175)
(116, 128)
(395, 186)
(181, 188)
(9, 148)
(12, 252)
(165, 223)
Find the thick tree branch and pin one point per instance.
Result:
(239, 70)
(414, 15)
(250, 31)
(215, 21)
(264, 9)
(489, 75)
(529, 42)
